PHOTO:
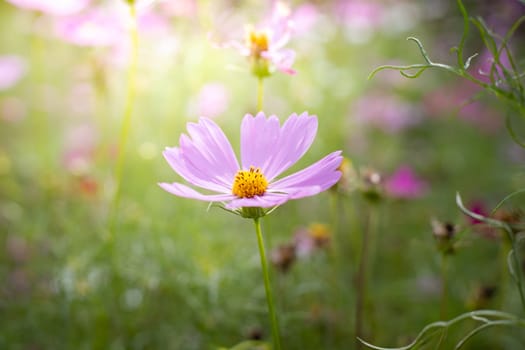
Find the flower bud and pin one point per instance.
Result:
(444, 233)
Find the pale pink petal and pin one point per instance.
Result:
(192, 175)
(267, 200)
(282, 60)
(208, 152)
(323, 173)
(259, 139)
(181, 190)
(297, 134)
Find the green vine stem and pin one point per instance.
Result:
(487, 318)
(512, 92)
(512, 258)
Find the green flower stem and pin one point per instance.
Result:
(126, 122)
(267, 287)
(260, 94)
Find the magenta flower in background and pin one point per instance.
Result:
(477, 207)
(205, 159)
(404, 183)
(52, 7)
(12, 69)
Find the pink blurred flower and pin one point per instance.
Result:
(52, 7)
(264, 43)
(212, 101)
(456, 99)
(97, 27)
(12, 69)
(79, 145)
(12, 109)
(477, 207)
(107, 25)
(485, 67)
(386, 112)
(359, 13)
(304, 18)
(359, 18)
(404, 183)
(206, 159)
(309, 239)
(179, 8)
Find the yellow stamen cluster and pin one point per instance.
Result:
(249, 183)
(257, 42)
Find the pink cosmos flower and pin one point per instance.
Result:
(205, 159)
(264, 43)
(404, 183)
(12, 68)
(52, 7)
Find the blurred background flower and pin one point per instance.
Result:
(12, 69)
(56, 8)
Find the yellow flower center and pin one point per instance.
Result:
(249, 183)
(257, 42)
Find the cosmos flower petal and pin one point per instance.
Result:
(182, 190)
(188, 172)
(324, 173)
(301, 192)
(259, 138)
(283, 60)
(297, 134)
(268, 200)
(207, 153)
(208, 136)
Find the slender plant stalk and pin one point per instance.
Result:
(444, 287)
(126, 122)
(361, 279)
(260, 94)
(267, 287)
(505, 247)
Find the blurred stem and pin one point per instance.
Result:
(126, 122)
(444, 286)
(41, 122)
(502, 290)
(267, 286)
(260, 94)
(518, 269)
(362, 276)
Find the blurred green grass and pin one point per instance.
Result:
(184, 277)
